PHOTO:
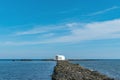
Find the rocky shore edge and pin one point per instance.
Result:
(64, 70)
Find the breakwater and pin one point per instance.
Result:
(65, 70)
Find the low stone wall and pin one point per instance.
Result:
(65, 70)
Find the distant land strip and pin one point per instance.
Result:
(55, 60)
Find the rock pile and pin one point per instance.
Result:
(68, 71)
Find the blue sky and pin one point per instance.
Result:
(85, 29)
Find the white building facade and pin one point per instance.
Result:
(60, 57)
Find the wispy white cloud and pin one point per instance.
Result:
(47, 35)
(102, 11)
(32, 31)
(93, 31)
(39, 29)
(81, 32)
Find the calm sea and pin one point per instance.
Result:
(28, 70)
(108, 67)
(41, 70)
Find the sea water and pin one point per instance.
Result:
(26, 70)
(42, 70)
(107, 67)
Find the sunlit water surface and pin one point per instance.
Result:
(28, 70)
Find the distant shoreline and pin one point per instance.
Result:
(55, 60)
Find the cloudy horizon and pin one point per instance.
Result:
(42, 29)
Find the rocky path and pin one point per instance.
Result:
(65, 70)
